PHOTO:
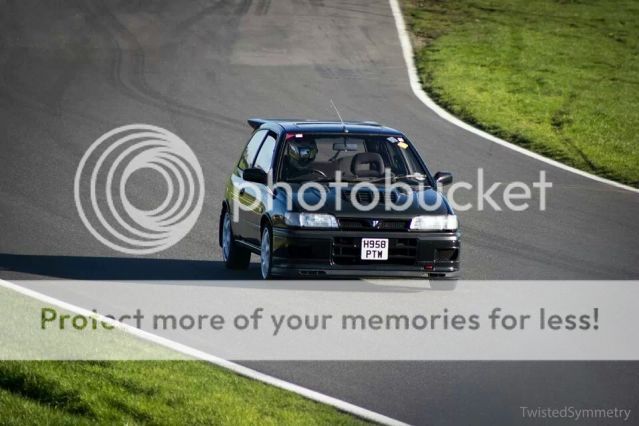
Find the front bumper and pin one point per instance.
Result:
(318, 253)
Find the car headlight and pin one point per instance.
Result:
(435, 223)
(311, 220)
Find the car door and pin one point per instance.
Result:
(239, 193)
(259, 193)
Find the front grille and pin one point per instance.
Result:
(366, 197)
(347, 251)
(359, 224)
(394, 225)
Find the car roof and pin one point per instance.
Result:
(323, 126)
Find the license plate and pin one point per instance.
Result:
(374, 248)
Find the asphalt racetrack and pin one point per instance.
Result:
(71, 71)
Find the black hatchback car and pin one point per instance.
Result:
(347, 199)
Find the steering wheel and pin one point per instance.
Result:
(310, 172)
(319, 172)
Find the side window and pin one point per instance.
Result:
(251, 149)
(264, 159)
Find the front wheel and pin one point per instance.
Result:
(235, 256)
(266, 254)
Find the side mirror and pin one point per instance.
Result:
(256, 175)
(443, 178)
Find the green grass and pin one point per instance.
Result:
(128, 392)
(148, 392)
(560, 77)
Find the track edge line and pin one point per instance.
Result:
(341, 405)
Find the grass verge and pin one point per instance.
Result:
(559, 77)
(148, 392)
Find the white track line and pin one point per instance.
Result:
(195, 353)
(407, 50)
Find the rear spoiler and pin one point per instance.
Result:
(257, 122)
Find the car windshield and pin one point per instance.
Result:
(319, 157)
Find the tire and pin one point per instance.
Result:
(234, 255)
(266, 253)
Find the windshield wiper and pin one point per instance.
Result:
(417, 176)
(320, 179)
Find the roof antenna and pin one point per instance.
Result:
(339, 115)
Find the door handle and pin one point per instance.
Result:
(242, 191)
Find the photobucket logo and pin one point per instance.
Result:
(387, 193)
(103, 173)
